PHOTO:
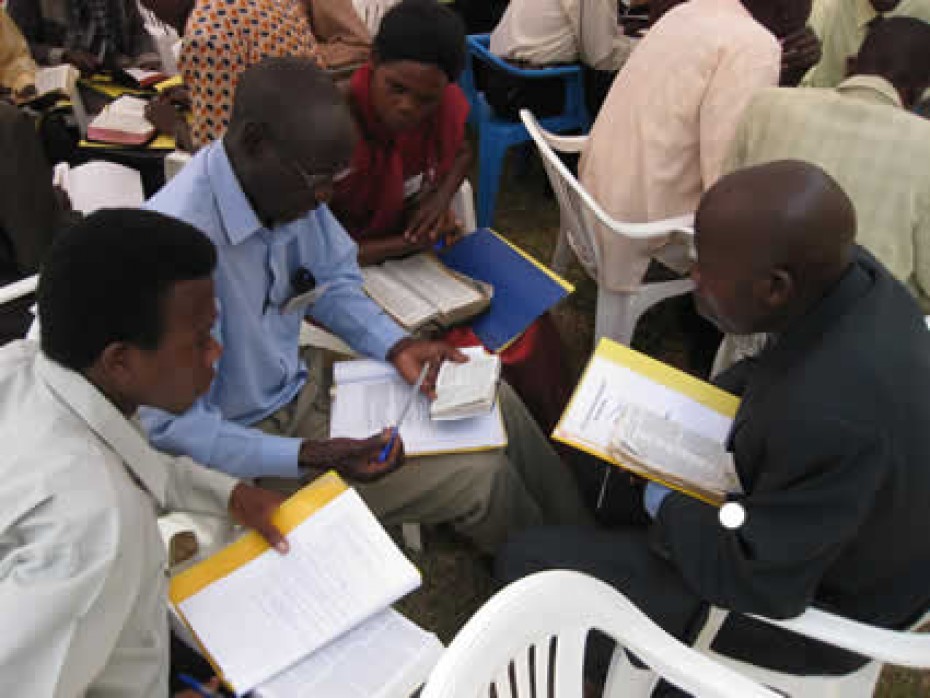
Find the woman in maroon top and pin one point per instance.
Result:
(411, 159)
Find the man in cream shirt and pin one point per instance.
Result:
(544, 32)
(842, 26)
(127, 306)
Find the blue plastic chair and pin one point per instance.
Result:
(497, 135)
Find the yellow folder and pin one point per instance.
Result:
(705, 394)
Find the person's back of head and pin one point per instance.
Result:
(771, 240)
(109, 288)
(781, 17)
(290, 132)
(897, 49)
(422, 31)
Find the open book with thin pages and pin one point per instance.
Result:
(264, 620)
(653, 420)
(369, 395)
(420, 290)
(122, 122)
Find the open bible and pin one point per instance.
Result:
(53, 83)
(420, 290)
(122, 122)
(653, 420)
(266, 620)
(466, 390)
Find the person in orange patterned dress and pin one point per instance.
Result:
(224, 37)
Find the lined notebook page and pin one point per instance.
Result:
(276, 609)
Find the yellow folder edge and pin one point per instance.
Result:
(297, 509)
(176, 81)
(700, 391)
(109, 88)
(160, 142)
(567, 285)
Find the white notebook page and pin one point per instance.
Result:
(370, 395)
(387, 656)
(276, 609)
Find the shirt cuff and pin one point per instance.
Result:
(389, 339)
(279, 456)
(653, 496)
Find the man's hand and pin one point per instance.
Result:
(178, 95)
(354, 459)
(86, 62)
(800, 51)
(163, 115)
(409, 355)
(253, 507)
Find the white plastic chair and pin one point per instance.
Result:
(372, 11)
(13, 291)
(543, 620)
(617, 313)
(901, 648)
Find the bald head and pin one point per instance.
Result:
(771, 240)
(289, 135)
(294, 102)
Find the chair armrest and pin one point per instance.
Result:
(892, 646)
(18, 289)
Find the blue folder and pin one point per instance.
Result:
(523, 288)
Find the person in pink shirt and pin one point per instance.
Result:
(662, 134)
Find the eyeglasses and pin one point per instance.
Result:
(315, 181)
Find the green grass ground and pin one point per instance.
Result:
(456, 580)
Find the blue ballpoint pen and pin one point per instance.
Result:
(194, 684)
(386, 451)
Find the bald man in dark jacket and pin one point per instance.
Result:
(831, 439)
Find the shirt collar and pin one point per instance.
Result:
(119, 433)
(238, 217)
(870, 88)
(865, 13)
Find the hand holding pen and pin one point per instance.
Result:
(411, 398)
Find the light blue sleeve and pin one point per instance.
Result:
(653, 496)
(344, 309)
(203, 434)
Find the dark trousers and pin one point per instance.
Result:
(623, 557)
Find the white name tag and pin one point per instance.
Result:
(413, 185)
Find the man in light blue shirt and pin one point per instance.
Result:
(259, 194)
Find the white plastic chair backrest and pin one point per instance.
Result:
(580, 212)
(539, 625)
(373, 11)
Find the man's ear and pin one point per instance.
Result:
(779, 289)
(116, 363)
(252, 138)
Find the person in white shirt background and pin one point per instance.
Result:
(127, 306)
